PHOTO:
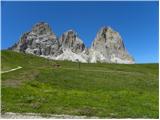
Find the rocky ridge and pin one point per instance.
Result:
(41, 41)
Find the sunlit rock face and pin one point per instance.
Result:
(41, 41)
(108, 47)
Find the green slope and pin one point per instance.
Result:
(103, 90)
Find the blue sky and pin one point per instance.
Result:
(137, 22)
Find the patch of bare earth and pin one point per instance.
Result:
(10, 115)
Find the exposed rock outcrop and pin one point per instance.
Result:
(70, 40)
(72, 47)
(107, 47)
(39, 41)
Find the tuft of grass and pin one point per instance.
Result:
(103, 90)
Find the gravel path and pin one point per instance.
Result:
(10, 115)
(19, 67)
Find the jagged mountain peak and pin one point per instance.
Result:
(70, 40)
(108, 37)
(70, 34)
(107, 46)
(42, 28)
(41, 24)
(106, 28)
(111, 47)
(39, 41)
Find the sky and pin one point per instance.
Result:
(136, 22)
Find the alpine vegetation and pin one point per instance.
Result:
(107, 47)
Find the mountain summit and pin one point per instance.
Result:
(107, 46)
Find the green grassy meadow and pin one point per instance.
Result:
(102, 90)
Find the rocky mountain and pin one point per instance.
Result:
(70, 40)
(72, 47)
(107, 46)
(39, 41)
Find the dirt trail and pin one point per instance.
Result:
(19, 67)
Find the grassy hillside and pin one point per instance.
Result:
(103, 90)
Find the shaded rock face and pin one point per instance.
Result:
(70, 40)
(72, 47)
(107, 46)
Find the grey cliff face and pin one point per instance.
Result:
(110, 45)
(108, 39)
(70, 40)
(41, 41)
